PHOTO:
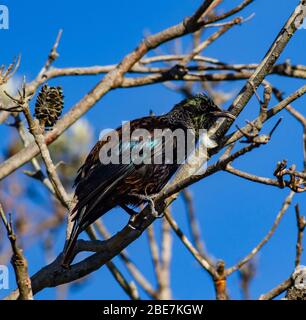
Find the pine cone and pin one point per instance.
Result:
(49, 105)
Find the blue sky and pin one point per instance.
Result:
(234, 214)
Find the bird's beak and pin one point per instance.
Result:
(223, 114)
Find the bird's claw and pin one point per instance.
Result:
(150, 200)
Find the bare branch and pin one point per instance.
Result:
(196, 254)
(6, 75)
(229, 13)
(19, 262)
(209, 40)
(285, 285)
(251, 255)
(53, 55)
(194, 226)
(270, 113)
(164, 291)
(301, 224)
(154, 252)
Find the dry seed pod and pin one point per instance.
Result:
(49, 105)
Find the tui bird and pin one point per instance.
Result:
(103, 186)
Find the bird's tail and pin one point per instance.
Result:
(70, 244)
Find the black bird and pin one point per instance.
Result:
(101, 187)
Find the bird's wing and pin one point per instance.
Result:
(96, 181)
(93, 183)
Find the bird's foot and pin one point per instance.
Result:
(150, 200)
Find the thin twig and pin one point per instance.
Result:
(251, 255)
(53, 55)
(301, 224)
(209, 40)
(154, 252)
(196, 254)
(19, 262)
(270, 113)
(252, 177)
(193, 223)
(230, 12)
(164, 290)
